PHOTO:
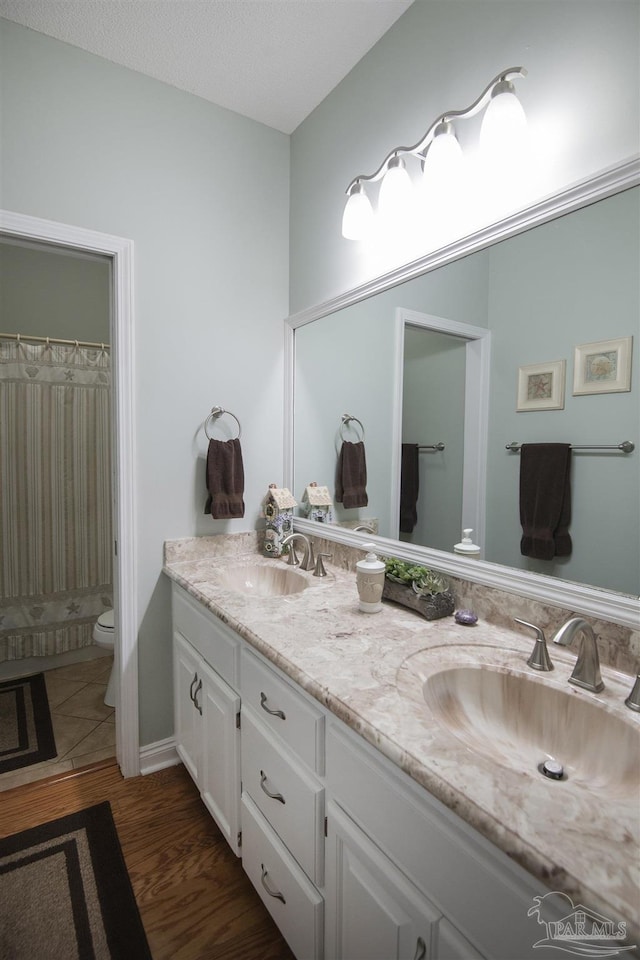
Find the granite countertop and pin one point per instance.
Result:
(580, 836)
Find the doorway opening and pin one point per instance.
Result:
(119, 252)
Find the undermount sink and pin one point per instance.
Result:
(519, 722)
(258, 580)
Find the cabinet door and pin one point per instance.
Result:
(220, 767)
(373, 912)
(186, 680)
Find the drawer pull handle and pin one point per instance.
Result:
(274, 713)
(194, 681)
(274, 796)
(272, 893)
(195, 696)
(421, 949)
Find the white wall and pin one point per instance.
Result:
(92, 144)
(582, 98)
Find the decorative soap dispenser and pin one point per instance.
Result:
(370, 581)
(467, 547)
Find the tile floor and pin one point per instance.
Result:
(83, 726)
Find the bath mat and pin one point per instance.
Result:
(26, 733)
(65, 892)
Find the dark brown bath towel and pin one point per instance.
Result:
(351, 475)
(545, 500)
(409, 487)
(225, 480)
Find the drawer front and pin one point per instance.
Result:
(213, 640)
(289, 797)
(294, 903)
(283, 711)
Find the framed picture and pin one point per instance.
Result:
(602, 367)
(541, 386)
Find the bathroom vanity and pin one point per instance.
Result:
(370, 828)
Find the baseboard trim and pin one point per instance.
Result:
(157, 756)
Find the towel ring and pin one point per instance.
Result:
(217, 412)
(346, 420)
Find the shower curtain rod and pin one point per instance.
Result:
(72, 343)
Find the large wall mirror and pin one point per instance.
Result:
(433, 355)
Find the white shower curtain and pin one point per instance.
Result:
(55, 496)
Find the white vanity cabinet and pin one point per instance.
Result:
(398, 851)
(283, 803)
(207, 709)
(353, 859)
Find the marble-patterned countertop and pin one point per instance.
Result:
(580, 836)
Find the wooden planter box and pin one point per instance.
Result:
(431, 607)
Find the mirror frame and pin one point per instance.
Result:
(580, 598)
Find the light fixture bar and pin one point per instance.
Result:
(419, 148)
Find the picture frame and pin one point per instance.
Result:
(602, 367)
(541, 386)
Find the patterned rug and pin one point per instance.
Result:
(26, 733)
(65, 893)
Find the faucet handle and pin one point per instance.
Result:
(539, 659)
(320, 570)
(292, 559)
(633, 700)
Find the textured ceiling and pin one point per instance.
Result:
(271, 60)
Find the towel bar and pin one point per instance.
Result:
(626, 446)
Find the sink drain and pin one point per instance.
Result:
(552, 769)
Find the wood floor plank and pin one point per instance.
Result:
(194, 898)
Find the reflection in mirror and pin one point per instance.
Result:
(541, 293)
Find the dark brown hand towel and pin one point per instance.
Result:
(409, 486)
(351, 475)
(225, 480)
(545, 500)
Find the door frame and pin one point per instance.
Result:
(476, 415)
(120, 252)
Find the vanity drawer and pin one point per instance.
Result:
(283, 711)
(290, 798)
(213, 640)
(294, 903)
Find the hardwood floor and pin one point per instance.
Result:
(194, 898)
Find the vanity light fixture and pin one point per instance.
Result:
(438, 151)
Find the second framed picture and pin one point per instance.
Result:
(602, 367)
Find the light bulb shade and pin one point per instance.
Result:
(444, 156)
(395, 190)
(504, 124)
(357, 218)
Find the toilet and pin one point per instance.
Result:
(104, 636)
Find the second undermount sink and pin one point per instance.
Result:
(261, 580)
(519, 723)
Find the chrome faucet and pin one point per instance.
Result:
(307, 557)
(586, 672)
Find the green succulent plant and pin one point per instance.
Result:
(423, 581)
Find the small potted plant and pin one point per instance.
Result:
(418, 588)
